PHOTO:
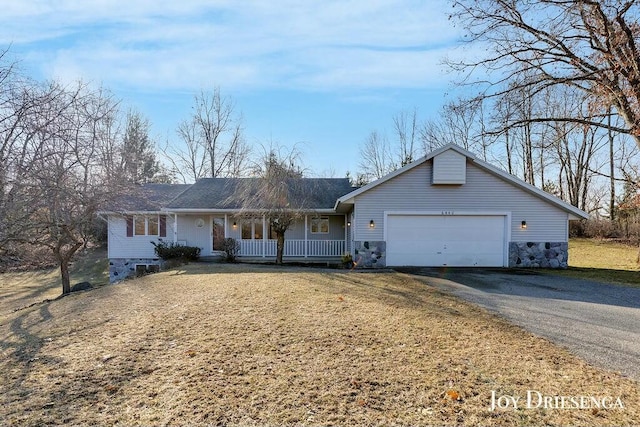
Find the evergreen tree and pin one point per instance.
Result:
(138, 151)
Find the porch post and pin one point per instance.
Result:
(346, 232)
(305, 235)
(226, 226)
(175, 228)
(265, 234)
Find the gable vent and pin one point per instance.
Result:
(449, 167)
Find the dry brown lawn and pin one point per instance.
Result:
(602, 260)
(256, 345)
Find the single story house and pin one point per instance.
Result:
(448, 208)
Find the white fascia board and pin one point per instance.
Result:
(349, 197)
(574, 213)
(131, 212)
(236, 211)
(453, 147)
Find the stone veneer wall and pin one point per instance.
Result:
(370, 254)
(538, 254)
(121, 268)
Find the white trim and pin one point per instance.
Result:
(232, 211)
(265, 236)
(577, 213)
(146, 217)
(129, 213)
(354, 218)
(211, 251)
(346, 234)
(318, 227)
(574, 213)
(175, 228)
(306, 239)
(506, 224)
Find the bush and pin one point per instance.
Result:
(600, 228)
(231, 247)
(347, 260)
(172, 250)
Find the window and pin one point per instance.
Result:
(146, 225)
(152, 226)
(320, 225)
(257, 229)
(139, 226)
(218, 233)
(142, 269)
(246, 230)
(252, 229)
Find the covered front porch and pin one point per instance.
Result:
(313, 236)
(292, 248)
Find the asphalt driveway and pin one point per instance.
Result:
(599, 322)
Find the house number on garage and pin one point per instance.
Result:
(447, 212)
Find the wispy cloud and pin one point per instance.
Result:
(187, 44)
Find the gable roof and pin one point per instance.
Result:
(146, 197)
(574, 212)
(221, 193)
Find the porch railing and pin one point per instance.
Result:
(292, 247)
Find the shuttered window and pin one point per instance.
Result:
(146, 225)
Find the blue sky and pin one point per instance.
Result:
(321, 74)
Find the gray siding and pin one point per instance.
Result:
(449, 168)
(412, 191)
(187, 230)
(121, 246)
(336, 229)
(192, 235)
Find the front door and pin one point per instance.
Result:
(217, 233)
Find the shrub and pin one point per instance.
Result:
(347, 260)
(172, 250)
(231, 247)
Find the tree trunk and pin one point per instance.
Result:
(280, 248)
(64, 274)
(612, 170)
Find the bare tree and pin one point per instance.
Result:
(189, 162)
(52, 179)
(376, 158)
(213, 141)
(459, 122)
(277, 192)
(405, 125)
(67, 174)
(586, 44)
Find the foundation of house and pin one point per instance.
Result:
(538, 254)
(370, 254)
(122, 268)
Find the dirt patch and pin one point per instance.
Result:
(255, 345)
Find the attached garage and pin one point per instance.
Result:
(446, 240)
(452, 209)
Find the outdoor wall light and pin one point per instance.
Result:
(235, 224)
(348, 223)
(523, 225)
(372, 224)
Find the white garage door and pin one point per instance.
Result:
(437, 240)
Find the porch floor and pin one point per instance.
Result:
(316, 260)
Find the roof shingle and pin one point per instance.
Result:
(221, 193)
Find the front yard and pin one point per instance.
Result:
(238, 344)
